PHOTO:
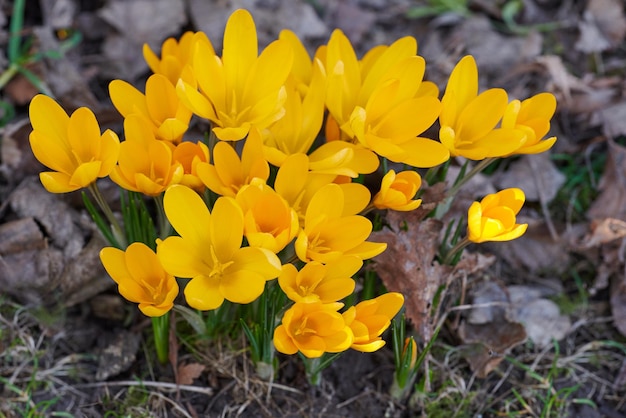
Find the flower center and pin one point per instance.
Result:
(302, 329)
(218, 268)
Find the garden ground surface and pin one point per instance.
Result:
(549, 338)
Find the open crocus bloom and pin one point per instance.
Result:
(313, 329)
(208, 250)
(141, 278)
(320, 282)
(71, 146)
(242, 88)
(469, 120)
(328, 234)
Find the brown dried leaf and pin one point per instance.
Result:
(188, 372)
(603, 26)
(408, 265)
(138, 22)
(494, 52)
(353, 20)
(535, 251)
(536, 175)
(487, 343)
(604, 231)
(541, 317)
(612, 118)
(611, 203)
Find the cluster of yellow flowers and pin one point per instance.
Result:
(276, 192)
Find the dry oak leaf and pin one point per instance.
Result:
(408, 265)
(487, 343)
(604, 231)
(188, 372)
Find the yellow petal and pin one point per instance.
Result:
(55, 182)
(49, 118)
(240, 49)
(356, 198)
(51, 154)
(283, 342)
(203, 293)
(258, 260)
(463, 82)
(188, 214)
(181, 258)
(421, 152)
(195, 101)
(127, 99)
(109, 152)
(474, 222)
(161, 98)
(537, 148)
(482, 114)
(226, 228)
(516, 232)
(84, 135)
(268, 73)
(395, 53)
(242, 286)
(86, 174)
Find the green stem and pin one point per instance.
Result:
(160, 328)
(455, 250)
(8, 74)
(118, 232)
(163, 222)
(17, 24)
(480, 166)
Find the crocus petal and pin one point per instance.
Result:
(203, 293)
(186, 211)
(55, 182)
(283, 342)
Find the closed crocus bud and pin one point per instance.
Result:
(398, 190)
(370, 318)
(494, 217)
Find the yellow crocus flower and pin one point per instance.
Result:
(313, 329)
(370, 318)
(160, 106)
(320, 282)
(328, 234)
(269, 221)
(533, 117)
(494, 217)
(381, 102)
(208, 250)
(229, 172)
(145, 164)
(190, 155)
(242, 88)
(398, 190)
(71, 146)
(175, 60)
(141, 278)
(468, 120)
